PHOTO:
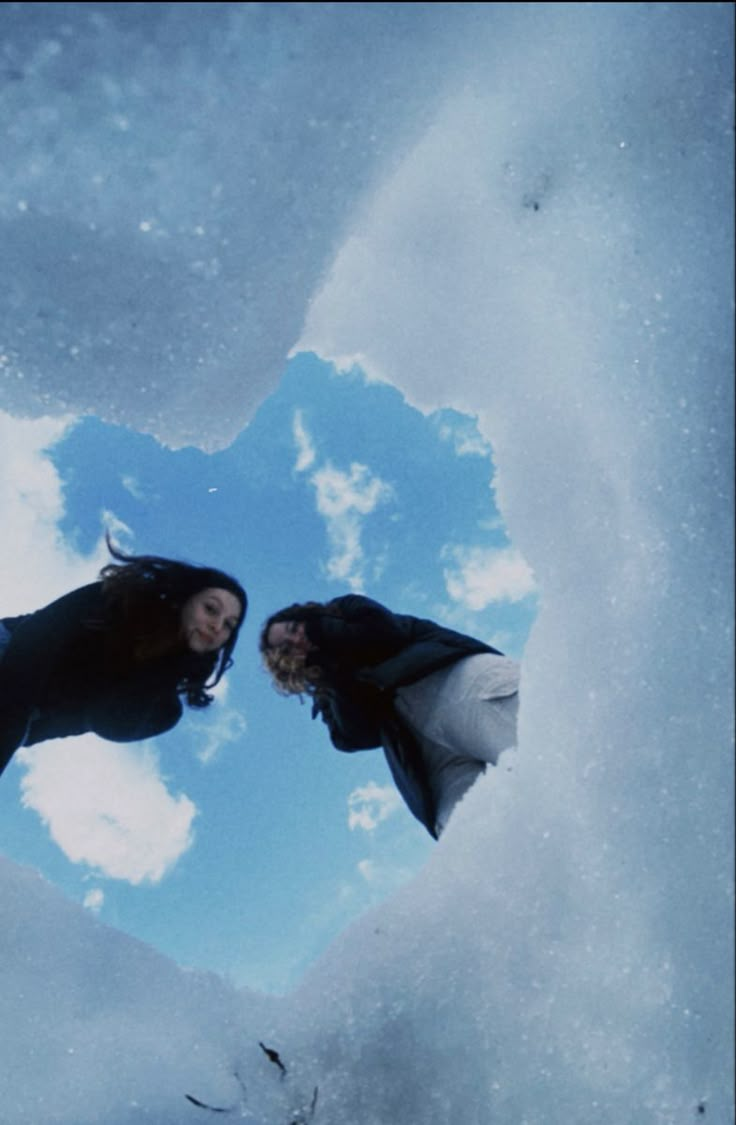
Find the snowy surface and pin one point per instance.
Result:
(542, 238)
(176, 179)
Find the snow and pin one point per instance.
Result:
(550, 225)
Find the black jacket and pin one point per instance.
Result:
(57, 678)
(367, 653)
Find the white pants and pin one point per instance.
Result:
(464, 716)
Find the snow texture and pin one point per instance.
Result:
(521, 211)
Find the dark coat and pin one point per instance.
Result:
(57, 678)
(367, 653)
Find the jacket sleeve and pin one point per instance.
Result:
(128, 711)
(39, 639)
(427, 648)
(364, 632)
(352, 723)
(36, 646)
(412, 663)
(134, 710)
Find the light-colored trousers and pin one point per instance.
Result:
(464, 716)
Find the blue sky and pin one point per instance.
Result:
(524, 213)
(264, 842)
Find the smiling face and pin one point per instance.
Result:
(209, 618)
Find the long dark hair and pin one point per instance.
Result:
(291, 673)
(144, 596)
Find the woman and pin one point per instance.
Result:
(115, 657)
(441, 704)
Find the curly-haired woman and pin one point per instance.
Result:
(442, 705)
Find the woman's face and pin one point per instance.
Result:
(289, 635)
(209, 619)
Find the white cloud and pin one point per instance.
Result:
(466, 438)
(370, 805)
(367, 868)
(36, 565)
(305, 449)
(344, 499)
(341, 494)
(94, 900)
(132, 485)
(482, 575)
(217, 726)
(107, 806)
(120, 533)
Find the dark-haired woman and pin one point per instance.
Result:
(117, 657)
(441, 704)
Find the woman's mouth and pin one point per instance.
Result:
(199, 639)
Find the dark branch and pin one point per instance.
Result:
(211, 1108)
(273, 1056)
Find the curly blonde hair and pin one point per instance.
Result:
(290, 671)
